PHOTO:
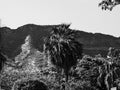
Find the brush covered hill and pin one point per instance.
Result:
(12, 39)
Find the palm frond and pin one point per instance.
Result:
(63, 49)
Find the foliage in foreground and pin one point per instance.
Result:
(89, 73)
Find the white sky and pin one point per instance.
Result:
(83, 14)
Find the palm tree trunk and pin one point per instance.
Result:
(58, 76)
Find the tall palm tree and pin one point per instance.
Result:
(63, 49)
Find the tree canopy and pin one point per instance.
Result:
(109, 4)
(63, 49)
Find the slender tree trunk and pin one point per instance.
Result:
(66, 75)
(59, 75)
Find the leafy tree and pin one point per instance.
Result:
(62, 48)
(109, 4)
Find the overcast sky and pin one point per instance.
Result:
(84, 15)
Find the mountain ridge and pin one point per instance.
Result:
(12, 39)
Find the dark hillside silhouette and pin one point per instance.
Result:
(11, 39)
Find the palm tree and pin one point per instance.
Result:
(62, 48)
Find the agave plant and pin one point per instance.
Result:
(62, 48)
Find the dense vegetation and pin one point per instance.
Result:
(61, 66)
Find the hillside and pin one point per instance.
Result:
(12, 39)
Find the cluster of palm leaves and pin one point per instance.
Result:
(62, 48)
(109, 4)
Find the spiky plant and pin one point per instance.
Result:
(63, 49)
(109, 73)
